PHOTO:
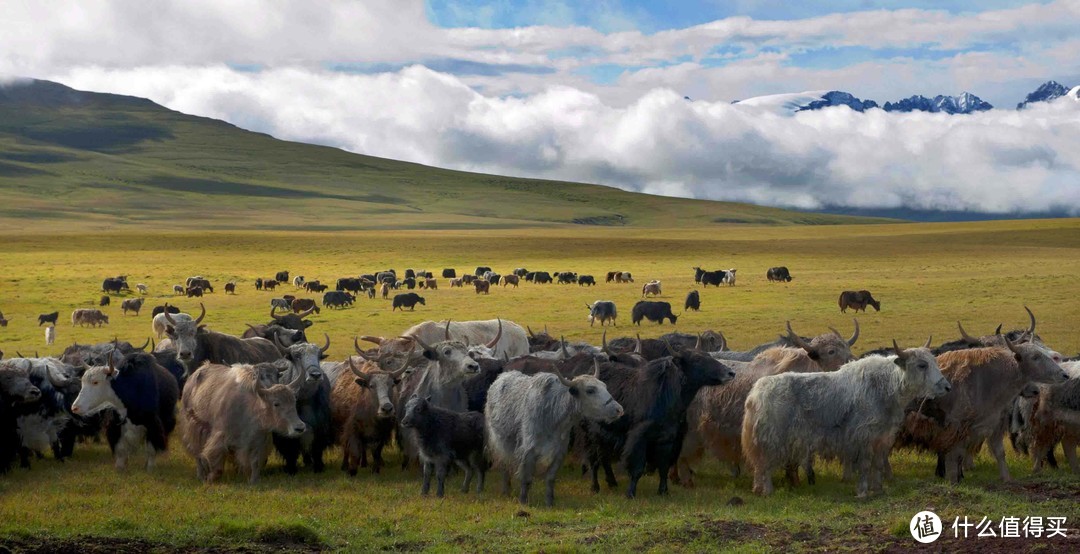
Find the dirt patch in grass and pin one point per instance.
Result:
(1039, 491)
(85, 544)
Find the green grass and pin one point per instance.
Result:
(87, 161)
(926, 275)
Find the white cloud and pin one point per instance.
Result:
(997, 161)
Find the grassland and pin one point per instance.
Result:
(927, 276)
(72, 160)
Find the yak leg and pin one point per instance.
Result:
(997, 448)
(609, 473)
(528, 467)
(429, 468)
(506, 482)
(864, 464)
(953, 461)
(808, 467)
(481, 469)
(465, 465)
(791, 474)
(440, 473)
(1069, 445)
(376, 457)
(549, 479)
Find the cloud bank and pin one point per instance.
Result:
(604, 103)
(1001, 161)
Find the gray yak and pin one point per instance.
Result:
(852, 413)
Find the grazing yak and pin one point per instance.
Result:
(230, 288)
(104, 301)
(852, 413)
(482, 286)
(230, 413)
(985, 382)
(115, 284)
(653, 311)
(449, 273)
(16, 390)
(362, 403)
(586, 280)
(529, 420)
(693, 301)
(48, 318)
(857, 301)
(299, 305)
(85, 316)
(542, 277)
(445, 438)
(131, 304)
(604, 310)
(144, 396)
(282, 276)
(778, 274)
(159, 309)
(338, 299)
(511, 280)
(652, 287)
(407, 300)
(503, 338)
(714, 278)
(192, 292)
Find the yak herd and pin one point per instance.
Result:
(475, 395)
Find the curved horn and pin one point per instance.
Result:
(111, 364)
(795, 338)
(898, 350)
(835, 332)
(447, 330)
(1031, 331)
(58, 382)
(498, 336)
(274, 315)
(967, 338)
(603, 343)
(697, 345)
(566, 382)
(168, 317)
(19, 354)
(637, 345)
(280, 347)
(723, 342)
(306, 312)
(145, 344)
(252, 327)
(153, 345)
(327, 347)
(562, 346)
(1010, 344)
(928, 340)
(371, 339)
(422, 344)
(855, 336)
(356, 345)
(202, 314)
(529, 329)
(596, 368)
(297, 383)
(998, 330)
(356, 371)
(669, 348)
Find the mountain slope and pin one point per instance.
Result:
(78, 160)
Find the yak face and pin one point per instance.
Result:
(595, 400)
(97, 392)
(921, 371)
(830, 350)
(1036, 364)
(279, 403)
(702, 370)
(382, 384)
(15, 385)
(182, 334)
(416, 410)
(453, 357)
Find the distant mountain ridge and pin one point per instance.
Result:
(964, 103)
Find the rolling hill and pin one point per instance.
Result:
(74, 160)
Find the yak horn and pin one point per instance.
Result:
(562, 346)
(498, 336)
(723, 342)
(371, 339)
(307, 312)
(447, 330)
(795, 338)
(1031, 331)
(697, 345)
(603, 342)
(835, 332)
(56, 381)
(967, 338)
(356, 371)
(280, 347)
(529, 329)
(418, 341)
(145, 344)
(928, 341)
(637, 345)
(998, 330)
(596, 368)
(566, 382)
(899, 352)
(168, 317)
(855, 336)
(327, 347)
(201, 315)
(19, 354)
(1010, 344)
(297, 383)
(273, 315)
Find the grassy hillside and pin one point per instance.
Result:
(77, 160)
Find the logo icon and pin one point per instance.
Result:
(926, 527)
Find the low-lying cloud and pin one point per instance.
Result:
(1001, 161)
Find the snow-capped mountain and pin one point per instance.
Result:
(1048, 91)
(965, 103)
